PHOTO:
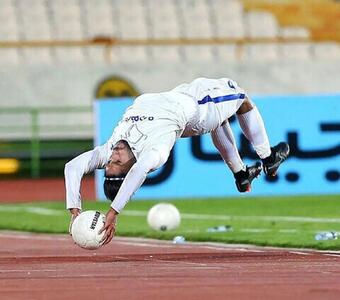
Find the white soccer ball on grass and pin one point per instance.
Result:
(164, 216)
(85, 229)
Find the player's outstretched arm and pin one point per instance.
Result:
(75, 170)
(109, 226)
(75, 212)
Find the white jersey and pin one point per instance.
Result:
(155, 121)
(151, 125)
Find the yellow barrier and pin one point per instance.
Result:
(9, 165)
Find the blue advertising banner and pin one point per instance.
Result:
(310, 124)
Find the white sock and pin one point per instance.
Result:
(224, 141)
(253, 128)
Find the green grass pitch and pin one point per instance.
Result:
(269, 221)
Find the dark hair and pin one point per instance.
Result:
(112, 186)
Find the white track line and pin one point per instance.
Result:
(300, 253)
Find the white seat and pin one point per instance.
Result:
(35, 32)
(66, 55)
(261, 52)
(95, 29)
(195, 18)
(66, 21)
(96, 54)
(34, 20)
(94, 11)
(165, 53)
(294, 31)
(295, 51)
(136, 54)
(163, 19)
(41, 56)
(327, 51)
(9, 57)
(261, 24)
(227, 18)
(9, 32)
(130, 30)
(9, 28)
(198, 53)
(226, 53)
(131, 15)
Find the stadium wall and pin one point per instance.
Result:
(75, 84)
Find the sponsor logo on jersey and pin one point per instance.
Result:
(134, 119)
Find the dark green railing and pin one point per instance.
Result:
(34, 114)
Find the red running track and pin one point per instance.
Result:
(34, 190)
(51, 267)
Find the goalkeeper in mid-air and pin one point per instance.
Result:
(143, 139)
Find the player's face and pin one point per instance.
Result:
(120, 161)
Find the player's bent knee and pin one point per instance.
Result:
(245, 107)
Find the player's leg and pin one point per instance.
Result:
(224, 141)
(253, 128)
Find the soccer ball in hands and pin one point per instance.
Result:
(164, 216)
(85, 229)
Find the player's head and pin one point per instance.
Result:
(112, 185)
(121, 161)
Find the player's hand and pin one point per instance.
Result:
(75, 212)
(109, 226)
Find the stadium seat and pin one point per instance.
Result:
(9, 57)
(96, 54)
(320, 17)
(294, 31)
(130, 55)
(34, 19)
(36, 56)
(198, 53)
(327, 51)
(132, 21)
(164, 19)
(227, 18)
(261, 24)
(66, 20)
(66, 55)
(143, 19)
(166, 54)
(226, 53)
(94, 11)
(195, 18)
(261, 52)
(9, 30)
(297, 51)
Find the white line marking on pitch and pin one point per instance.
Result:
(136, 213)
(32, 209)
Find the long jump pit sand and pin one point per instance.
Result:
(40, 266)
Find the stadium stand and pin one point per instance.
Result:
(238, 22)
(320, 17)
